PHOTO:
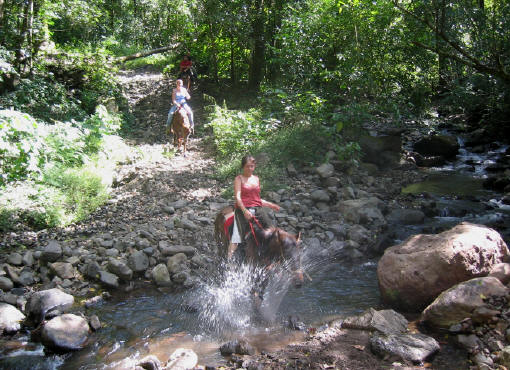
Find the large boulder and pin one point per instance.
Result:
(383, 151)
(10, 318)
(41, 304)
(462, 301)
(412, 274)
(438, 145)
(66, 332)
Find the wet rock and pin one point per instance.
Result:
(160, 275)
(150, 362)
(97, 300)
(10, 319)
(409, 347)
(455, 304)
(181, 277)
(181, 359)
(120, 268)
(438, 145)
(406, 217)
(94, 323)
(240, 347)
(109, 279)
(412, 274)
(384, 321)
(52, 252)
(295, 323)
(138, 261)
(65, 332)
(15, 259)
(63, 270)
(42, 303)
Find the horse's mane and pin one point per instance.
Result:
(266, 237)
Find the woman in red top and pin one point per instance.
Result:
(248, 203)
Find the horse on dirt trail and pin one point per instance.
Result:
(268, 248)
(180, 129)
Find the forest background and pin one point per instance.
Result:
(311, 72)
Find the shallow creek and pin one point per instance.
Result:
(151, 321)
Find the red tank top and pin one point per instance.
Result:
(250, 195)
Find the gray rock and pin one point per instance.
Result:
(94, 323)
(161, 276)
(186, 224)
(27, 277)
(52, 252)
(178, 204)
(170, 250)
(150, 362)
(28, 258)
(15, 259)
(320, 195)
(384, 321)
(66, 332)
(6, 283)
(406, 216)
(120, 268)
(109, 279)
(325, 170)
(91, 270)
(112, 252)
(168, 209)
(42, 303)
(138, 261)
(177, 263)
(240, 347)
(409, 347)
(63, 270)
(10, 319)
(181, 277)
(470, 341)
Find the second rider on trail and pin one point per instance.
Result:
(180, 97)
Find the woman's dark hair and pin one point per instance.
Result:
(246, 159)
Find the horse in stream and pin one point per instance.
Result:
(180, 129)
(269, 248)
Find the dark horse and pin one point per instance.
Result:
(264, 247)
(180, 128)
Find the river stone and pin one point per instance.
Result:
(65, 332)
(182, 359)
(406, 217)
(177, 263)
(120, 268)
(161, 276)
(150, 362)
(240, 347)
(42, 303)
(94, 323)
(504, 357)
(52, 252)
(6, 283)
(409, 347)
(10, 318)
(320, 195)
(91, 270)
(26, 278)
(170, 250)
(384, 321)
(437, 145)
(15, 259)
(63, 270)
(412, 274)
(28, 258)
(325, 170)
(459, 302)
(109, 279)
(364, 210)
(501, 271)
(138, 261)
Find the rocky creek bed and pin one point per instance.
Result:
(157, 229)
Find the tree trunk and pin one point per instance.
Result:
(2, 13)
(442, 61)
(258, 52)
(30, 35)
(232, 61)
(276, 23)
(146, 53)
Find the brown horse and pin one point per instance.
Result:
(264, 247)
(181, 129)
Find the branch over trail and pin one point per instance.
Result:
(146, 53)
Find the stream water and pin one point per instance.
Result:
(220, 307)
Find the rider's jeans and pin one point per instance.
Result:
(172, 111)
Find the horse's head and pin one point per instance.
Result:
(291, 251)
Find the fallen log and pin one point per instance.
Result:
(146, 53)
